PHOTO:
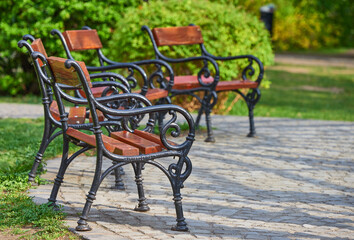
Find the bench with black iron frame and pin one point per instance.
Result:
(190, 84)
(136, 147)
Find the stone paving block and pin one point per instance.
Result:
(294, 181)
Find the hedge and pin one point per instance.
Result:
(227, 31)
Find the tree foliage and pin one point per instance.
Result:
(38, 18)
(306, 24)
(227, 31)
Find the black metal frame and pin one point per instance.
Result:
(50, 123)
(209, 100)
(177, 172)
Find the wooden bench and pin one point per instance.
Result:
(77, 116)
(189, 35)
(88, 39)
(135, 147)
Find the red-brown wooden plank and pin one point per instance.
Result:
(67, 76)
(188, 82)
(78, 40)
(235, 84)
(154, 93)
(99, 115)
(112, 145)
(96, 91)
(54, 110)
(145, 146)
(77, 115)
(152, 137)
(177, 35)
(37, 45)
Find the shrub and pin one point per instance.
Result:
(38, 18)
(226, 31)
(303, 24)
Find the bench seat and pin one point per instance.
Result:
(189, 82)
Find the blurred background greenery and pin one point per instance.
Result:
(229, 27)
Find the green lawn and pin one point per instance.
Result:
(19, 142)
(320, 93)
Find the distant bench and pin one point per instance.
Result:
(204, 82)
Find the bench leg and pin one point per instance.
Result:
(44, 144)
(60, 176)
(142, 205)
(177, 179)
(251, 100)
(91, 196)
(118, 172)
(200, 113)
(210, 137)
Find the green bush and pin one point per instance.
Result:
(304, 24)
(226, 31)
(38, 18)
(221, 26)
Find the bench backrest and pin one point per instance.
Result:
(78, 40)
(169, 36)
(67, 76)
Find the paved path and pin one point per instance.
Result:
(15, 110)
(340, 60)
(294, 181)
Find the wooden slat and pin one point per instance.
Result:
(37, 45)
(99, 115)
(64, 75)
(177, 35)
(235, 84)
(112, 145)
(78, 40)
(77, 115)
(152, 137)
(96, 91)
(154, 93)
(145, 146)
(188, 82)
(54, 110)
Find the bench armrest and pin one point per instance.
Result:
(204, 71)
(171, 109)
(158, 73)
(248, 70)
(111, 77)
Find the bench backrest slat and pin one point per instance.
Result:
(78, 40)
(67, 76)
(37, 45)
(170, 36)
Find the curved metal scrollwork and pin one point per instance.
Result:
(249, 70)
(131, 79)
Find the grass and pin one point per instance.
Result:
(31, 99)
(19, 141)
(319, 93)
(325, 51)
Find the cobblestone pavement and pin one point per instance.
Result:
(294, 181)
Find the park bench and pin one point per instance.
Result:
(129, 146)
(156, 87)
(77, 116)
(204, 82)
